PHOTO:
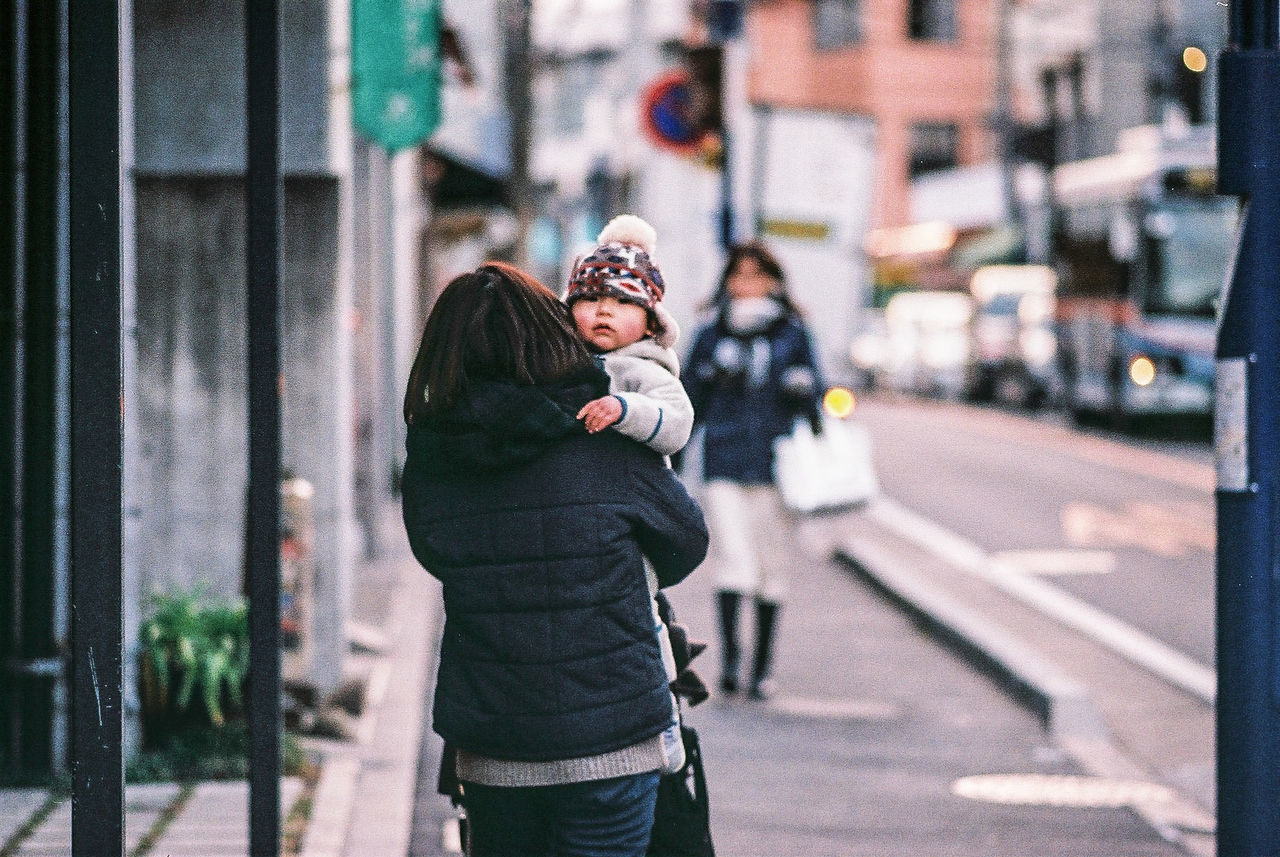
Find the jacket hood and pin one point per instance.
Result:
(650, 349)
(500, 423)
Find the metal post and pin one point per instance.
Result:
(1002, 120)
(263, 573)
(1247, 443)
(724, 24)
(97, 770)
(518, 73)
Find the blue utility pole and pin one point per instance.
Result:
(1247, 441)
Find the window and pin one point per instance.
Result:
(933, 147)
(837, 23)
(932, 20)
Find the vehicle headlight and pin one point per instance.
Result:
(1142, 370)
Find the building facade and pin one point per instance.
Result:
(922, 70)
(347, 312)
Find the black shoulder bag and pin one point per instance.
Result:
(682, 817)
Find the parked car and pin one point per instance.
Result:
(1014, 344)
(920, 344)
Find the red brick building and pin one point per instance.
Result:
(921, 69)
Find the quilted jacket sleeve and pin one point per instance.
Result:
(669, 525)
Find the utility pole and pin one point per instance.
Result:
(518, 73)
(1247, 441)
(1003, 118)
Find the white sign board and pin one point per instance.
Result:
(814, 184)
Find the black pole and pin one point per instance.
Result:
(726, 189)
(97, 808)
(1247, 443)
(263, 572)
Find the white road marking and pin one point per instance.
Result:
(1060, 790)
(1119, 636)
(1164, 529)
(1058, 561)
(837, 709)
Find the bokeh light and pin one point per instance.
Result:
(839, 402)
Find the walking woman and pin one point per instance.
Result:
(551, 688)
(751, 372)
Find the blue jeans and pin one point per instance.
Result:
(599, 818)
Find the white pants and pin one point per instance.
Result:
(750, 531)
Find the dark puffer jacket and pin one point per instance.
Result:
(536, 530)
(743, 415)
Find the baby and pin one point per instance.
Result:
(615, 295)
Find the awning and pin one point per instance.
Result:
(453, 183)
(1000, 245)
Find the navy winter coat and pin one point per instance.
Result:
(742, 407)
(536, 530)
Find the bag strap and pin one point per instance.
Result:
(693, 759)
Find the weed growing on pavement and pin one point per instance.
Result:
(208, 754)
(10, 846)
(161, 824)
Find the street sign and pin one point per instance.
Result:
(667, 115)
(395, 70)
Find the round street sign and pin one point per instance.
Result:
(667, 116)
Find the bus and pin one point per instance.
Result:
(1143, 245)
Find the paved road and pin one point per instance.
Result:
(1009, 483)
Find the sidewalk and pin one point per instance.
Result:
(882, 742)
(362, 802)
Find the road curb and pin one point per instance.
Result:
(1063, 703)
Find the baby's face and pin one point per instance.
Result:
(608, 323)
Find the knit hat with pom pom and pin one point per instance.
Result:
(622, 267)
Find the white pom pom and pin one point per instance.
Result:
(629, 229)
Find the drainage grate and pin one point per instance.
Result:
(1060, 790)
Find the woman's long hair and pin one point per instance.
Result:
(495, 322)
(768, 263)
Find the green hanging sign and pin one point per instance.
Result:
(395, 70)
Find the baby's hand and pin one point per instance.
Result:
(601, 413)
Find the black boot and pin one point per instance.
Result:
(766, 622)
(728, 603)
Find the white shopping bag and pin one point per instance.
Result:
(824, 472)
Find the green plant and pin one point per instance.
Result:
(199, 645)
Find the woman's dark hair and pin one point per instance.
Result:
(495, 322)
(768, 263)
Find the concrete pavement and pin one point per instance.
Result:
(882, 740)
(362, 801)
